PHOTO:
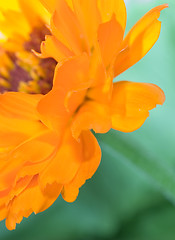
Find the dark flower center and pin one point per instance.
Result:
(29, 73)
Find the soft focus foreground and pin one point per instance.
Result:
(128, 198)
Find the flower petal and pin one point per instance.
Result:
(66, 28)
(49, 5)
(139, 40)
(9, 4)
(110, 36)
(89, 17)
(39, 12)
(72, 75)
(35, 150)
(131, 103)
(70, 84)
(64, 166)
(18, 114)
(91, 115)
(51, 47)
(110, 7)
(92, 157)
(32, 199)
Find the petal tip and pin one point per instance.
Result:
(163, 6)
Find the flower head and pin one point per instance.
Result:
(89, 35)
(48, 147)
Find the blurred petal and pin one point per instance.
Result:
(110, 7)
(139, 40)
(49, 5)
(131, 103)
(9, 4)
(92, 157)
(34, 12)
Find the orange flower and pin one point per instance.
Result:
(89, 35)
(47, 146)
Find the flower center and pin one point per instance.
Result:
(26, 72)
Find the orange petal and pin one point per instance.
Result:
(35, 150)
(72, 75)
(110, 7)
(131, 103)
(18, 115)
(19, 105)
(52, 110)
(64, 166)
(73, 78)
(11, 139)
(51, 47)
(110, 36)
(32, 199)
(70, 84)
(97, 70)
(92, 157)
(89, 17)
(66, 28)
(92, 115)
(3, 212)
(34, 12)
(21, 184)
(49, 5)
(139, 40)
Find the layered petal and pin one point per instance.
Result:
(67, 29)
(32, 199)
(63, 167)
(18, 114)
(131, 103)
(35, 150)
(90, 163)
(139, 40)
(70, 84)
(92, 115)
(51, 47)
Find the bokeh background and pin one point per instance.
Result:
(132, 195)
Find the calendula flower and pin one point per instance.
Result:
(90, 34)
(47, 146)
(24, 26)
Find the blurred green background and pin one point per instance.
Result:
(132, 195)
